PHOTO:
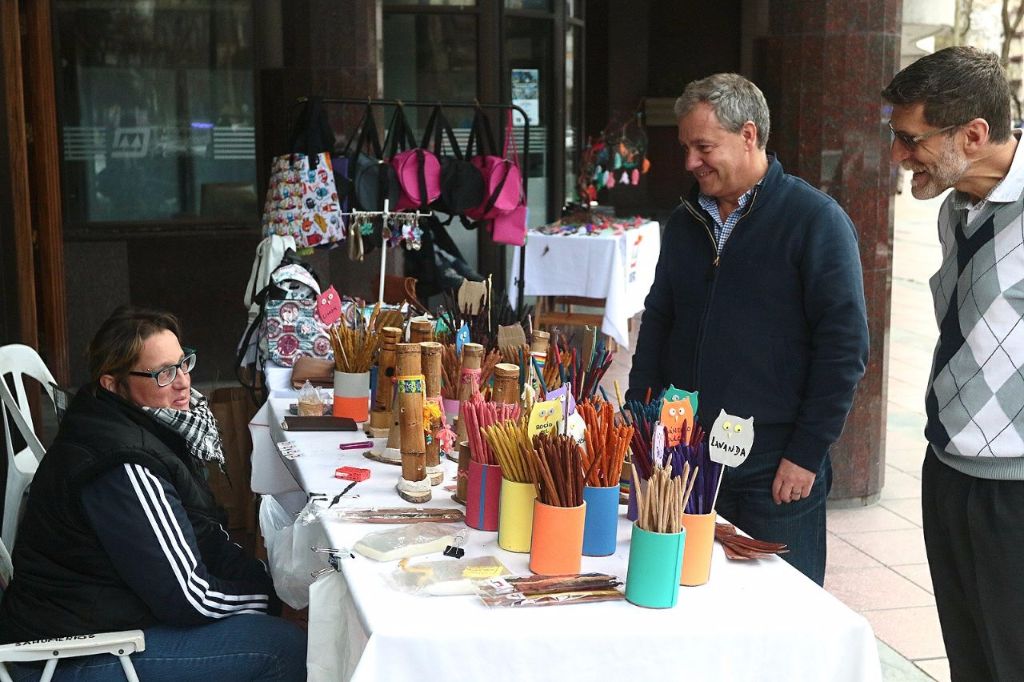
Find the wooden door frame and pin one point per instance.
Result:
(31, 120)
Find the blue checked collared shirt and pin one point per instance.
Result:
(724, 229)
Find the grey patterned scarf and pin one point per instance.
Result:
(196, 425)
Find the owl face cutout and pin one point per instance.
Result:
(730, 439)
(544, 417)
(328, 306)
(677, 410)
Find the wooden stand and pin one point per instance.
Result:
(381, 417)
(472, 357)
(410, 416)
(421, 331)
(430, 354)
(506, 384)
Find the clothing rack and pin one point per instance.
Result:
(520, 284)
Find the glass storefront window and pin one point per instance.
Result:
(429, 3)
(542, 5)
(528, 45)
(156, 109)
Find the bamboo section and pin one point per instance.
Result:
(410, 412)
(383, 399)
(421, 331)
(506, 384)
(430, 355)
(469, 376)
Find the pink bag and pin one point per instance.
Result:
(419, 174)
(502, 178)
(510, 228)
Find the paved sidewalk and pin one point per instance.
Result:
(876, 556)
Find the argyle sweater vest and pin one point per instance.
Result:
(975, 401)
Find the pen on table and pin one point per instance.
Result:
(354, 446)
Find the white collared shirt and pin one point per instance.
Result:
(1007, 191)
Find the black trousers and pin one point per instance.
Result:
(974, 534)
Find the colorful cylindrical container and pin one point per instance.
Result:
(451, 410)
(556, 547)
(515, 515)
(700, 541)
(483, 491)
(601, 526)
(652, 577)
(352, 395)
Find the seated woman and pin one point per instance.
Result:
(121, 531)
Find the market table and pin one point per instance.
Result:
(618, 268)
(753, 621)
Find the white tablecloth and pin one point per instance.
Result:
(753, 621)
(617, 268)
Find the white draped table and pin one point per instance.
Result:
(618, 268)
(758, 620)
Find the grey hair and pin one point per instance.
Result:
(733, 98)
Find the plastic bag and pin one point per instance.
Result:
(445, 577)
(288, 541)
(405, 541)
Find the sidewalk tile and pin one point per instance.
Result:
(875, 517)
(917, 574)
(867, 589)
(914, 632)
(891, 547)
(937, 668)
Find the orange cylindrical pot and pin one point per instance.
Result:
(557, 544)
(700, 540)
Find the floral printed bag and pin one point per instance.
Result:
(302, 196)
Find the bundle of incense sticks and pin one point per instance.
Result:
(642, 416)
(607, 443)
(662, 498)
(557, 470)
(356, 346)
(512, 448)
(585, 373)
(695, 454)
(479, 415)
(482, 327)
(451, 366)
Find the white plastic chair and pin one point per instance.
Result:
(18, 361)
(120, 644)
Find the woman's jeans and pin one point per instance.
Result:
(237, 649)
(746, 501)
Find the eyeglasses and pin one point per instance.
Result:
(166, 375)
(911, 142)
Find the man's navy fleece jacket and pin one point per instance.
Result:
(773, 328)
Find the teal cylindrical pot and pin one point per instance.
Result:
(600, 529)
(655, 559)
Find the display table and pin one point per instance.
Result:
(618, 268)
(753, 621)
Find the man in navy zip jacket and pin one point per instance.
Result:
(757, 304)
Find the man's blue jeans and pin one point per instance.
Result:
(238, 649)
(746, 501)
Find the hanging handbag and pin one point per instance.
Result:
(302, 196)
(509, 227)
(373, 177)
(502, 179)
(418, 170)
(291, 324)
(462, 185)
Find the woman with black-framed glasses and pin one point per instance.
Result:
(121, 531)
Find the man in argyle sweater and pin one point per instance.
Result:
(951, 127)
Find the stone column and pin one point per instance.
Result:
(822, 66)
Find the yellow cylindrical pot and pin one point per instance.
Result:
(515, 515)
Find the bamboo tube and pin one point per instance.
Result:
(539, 342)
(421, 330)
(430, 355)
(506, 384)
(472, 356)
(410, 411)
(383, 399)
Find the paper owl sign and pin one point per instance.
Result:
(328, 306)
(677, 410)
(730, 439)
(544, 417)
